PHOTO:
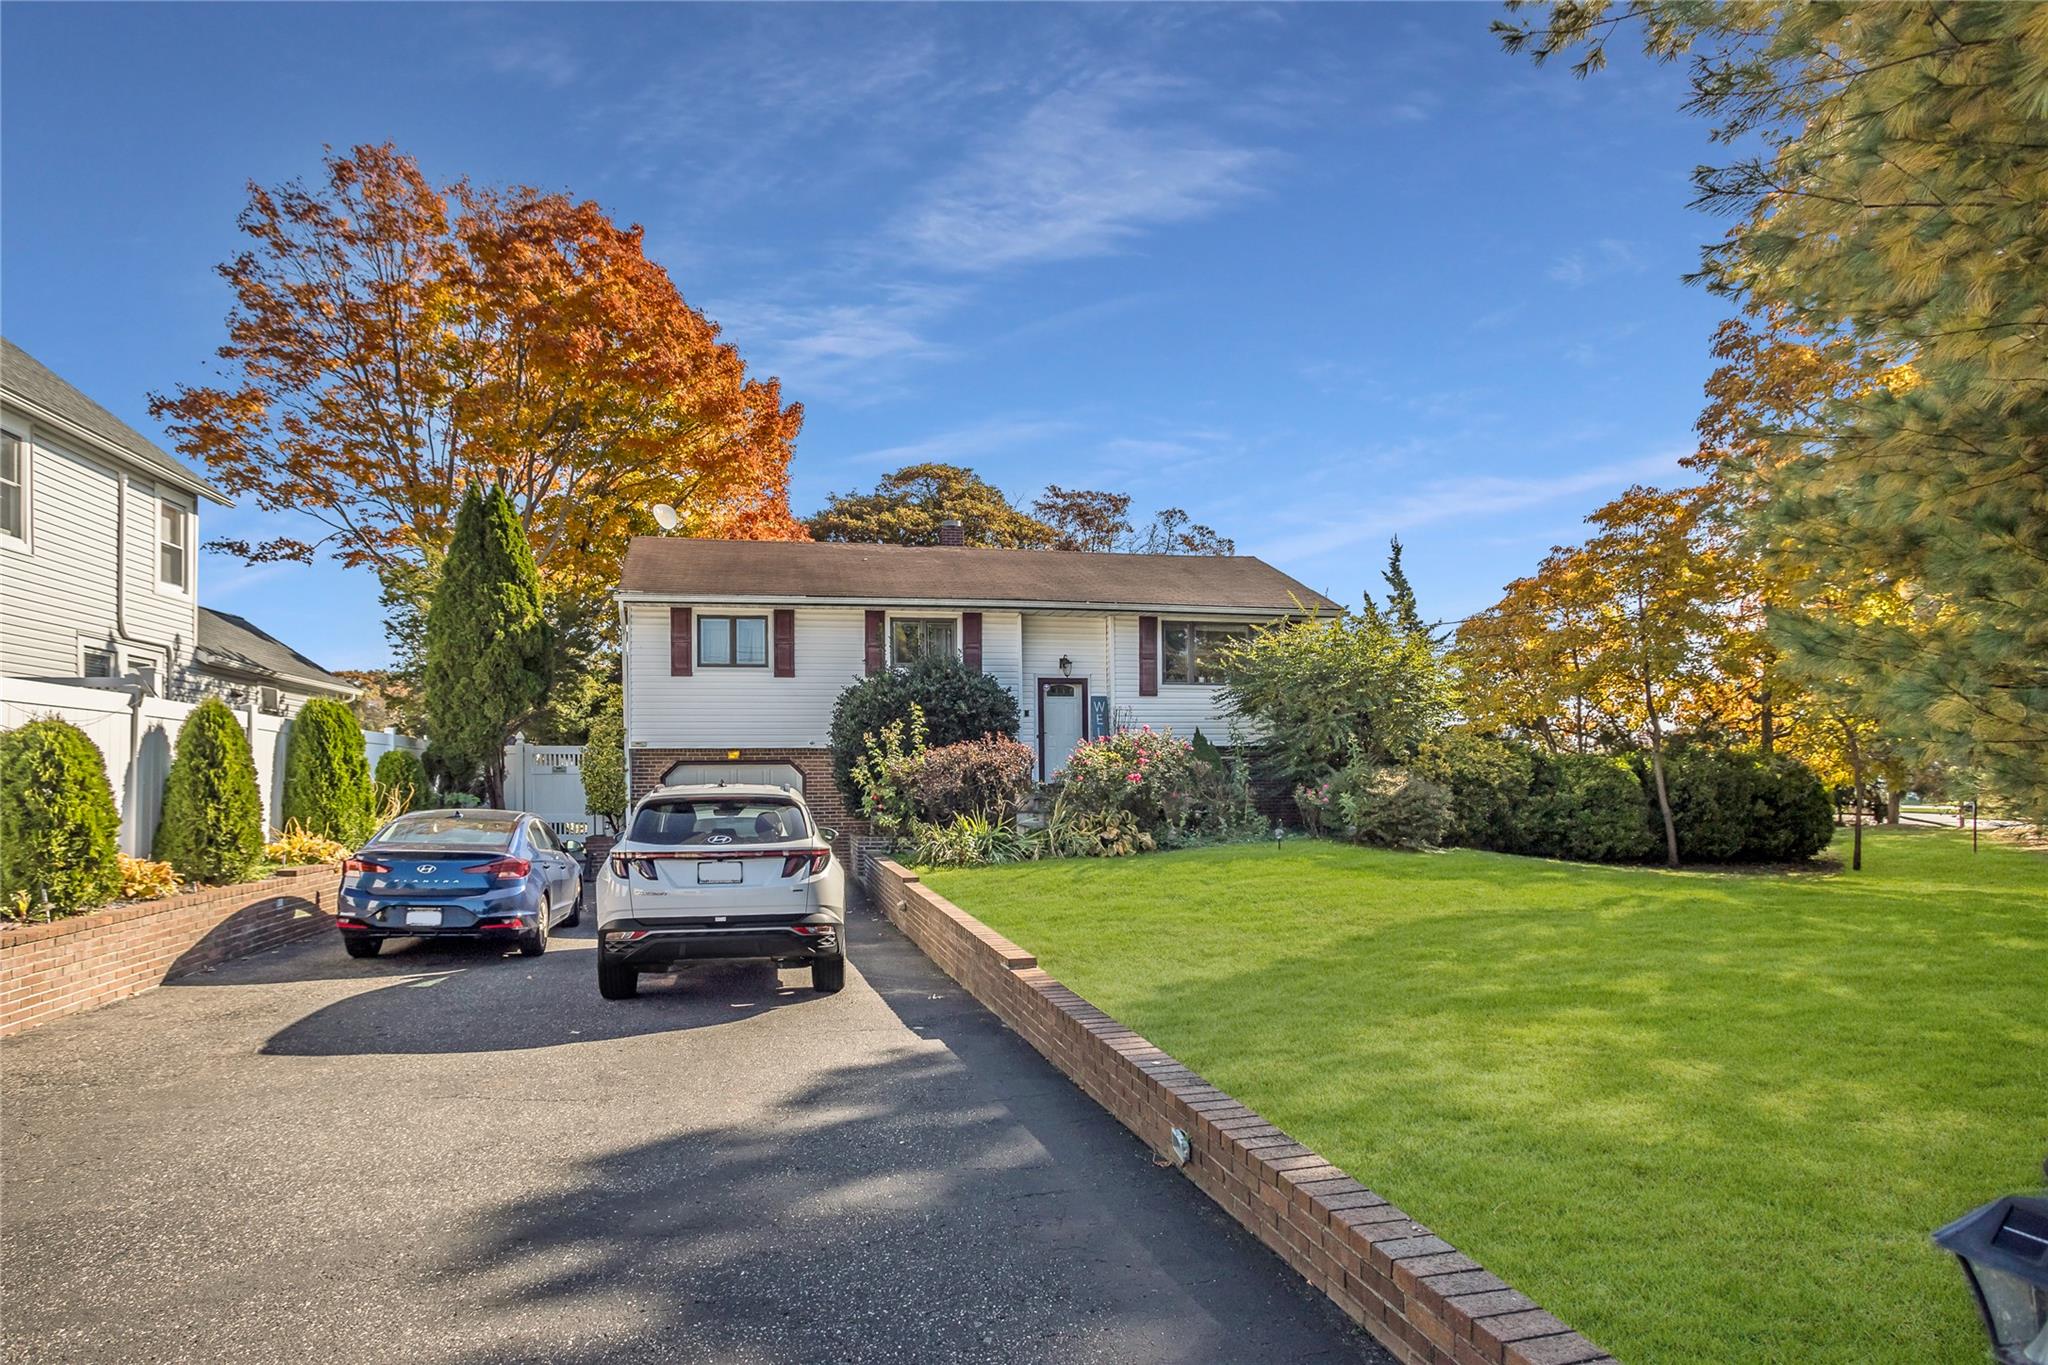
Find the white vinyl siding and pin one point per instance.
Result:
(1182, 708)
(737, 708)
(58, 590)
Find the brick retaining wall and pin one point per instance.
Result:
(52, 969)
(1428, 1303)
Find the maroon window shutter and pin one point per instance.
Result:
(970, 639)
(1148, 656)
(875, 660)
(679, 642)
(785, 643)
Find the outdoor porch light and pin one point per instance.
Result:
(1066, 667)
(2003, 1248)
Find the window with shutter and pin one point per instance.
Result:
(679, 642)
(785, 643)
(1148, 656)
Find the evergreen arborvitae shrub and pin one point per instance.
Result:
(1488, 781)
(212, 824)
(59, 826)
(327, 774)
(401, 771)
(959, 703)
(1587, 807)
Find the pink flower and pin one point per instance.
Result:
(1132, 777)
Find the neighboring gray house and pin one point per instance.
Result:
(99, 558)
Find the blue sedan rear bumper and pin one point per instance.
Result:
(514, 909)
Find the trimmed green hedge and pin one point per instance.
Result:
(1587, 807)
(59, 825)
(212, 824)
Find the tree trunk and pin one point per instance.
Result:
(1893, 801)
(1770, 727)
(1657, 771)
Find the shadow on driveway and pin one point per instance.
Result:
(457, 996)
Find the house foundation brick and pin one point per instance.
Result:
(1425, 1301)
(49, 970)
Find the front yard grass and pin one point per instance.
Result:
(1704, 1117)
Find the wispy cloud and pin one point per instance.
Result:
(540, 57)
(1608, 256)
(1083, 172)
(958, 445)
(1466, 498)
(850, 349)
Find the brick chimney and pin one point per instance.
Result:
(952, 533)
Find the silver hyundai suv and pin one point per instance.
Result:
(720, 872)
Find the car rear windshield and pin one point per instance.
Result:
(470, 833)
(687, 822)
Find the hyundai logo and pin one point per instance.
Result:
(719, 839)
(424, 867)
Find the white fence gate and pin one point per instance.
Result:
(137, 735)
(547, 779)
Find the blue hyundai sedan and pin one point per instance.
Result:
(460, 874)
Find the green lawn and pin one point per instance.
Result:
(1702, 1116)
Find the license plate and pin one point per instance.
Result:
(725, 872)
(425, 919)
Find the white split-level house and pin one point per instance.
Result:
(99, 560)
(736, 650)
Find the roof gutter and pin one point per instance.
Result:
(625, 596)
(183, 478)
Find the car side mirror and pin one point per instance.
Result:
(574, 847)
(831, 834)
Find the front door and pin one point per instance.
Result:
(1062, 721)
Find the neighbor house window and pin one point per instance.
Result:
(13, 486)
(1192, 651)
(912, 638)
(95, 662)
(173, 533)
(732, 641)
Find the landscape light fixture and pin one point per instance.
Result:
(2003, 1249)
(666, 517)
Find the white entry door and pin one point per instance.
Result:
(1062, 721)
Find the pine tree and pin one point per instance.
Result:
(489, 649)
(211, 829)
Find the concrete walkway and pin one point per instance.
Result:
(450, 1154)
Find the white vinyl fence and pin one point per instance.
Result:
(136, 736)
(547, 779)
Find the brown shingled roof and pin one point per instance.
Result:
(802, 570)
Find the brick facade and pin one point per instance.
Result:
(67, 965)
(1416, 1293)
(821, 793)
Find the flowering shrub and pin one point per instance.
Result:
(1317, 803)
(985, 777)
(1147, 775)
(143, 880)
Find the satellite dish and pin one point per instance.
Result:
(667, 516)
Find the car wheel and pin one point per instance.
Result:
(362, 947)
(536, 943)
(575, 909)
(828, 974)
(616, 980)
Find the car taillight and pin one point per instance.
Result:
(363, 865)
(794, 863)
(504, 869)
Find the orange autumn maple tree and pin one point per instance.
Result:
(393, 344)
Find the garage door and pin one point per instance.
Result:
(763, 774)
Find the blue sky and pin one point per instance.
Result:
(1320, 275)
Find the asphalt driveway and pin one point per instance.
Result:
(452, 1154)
